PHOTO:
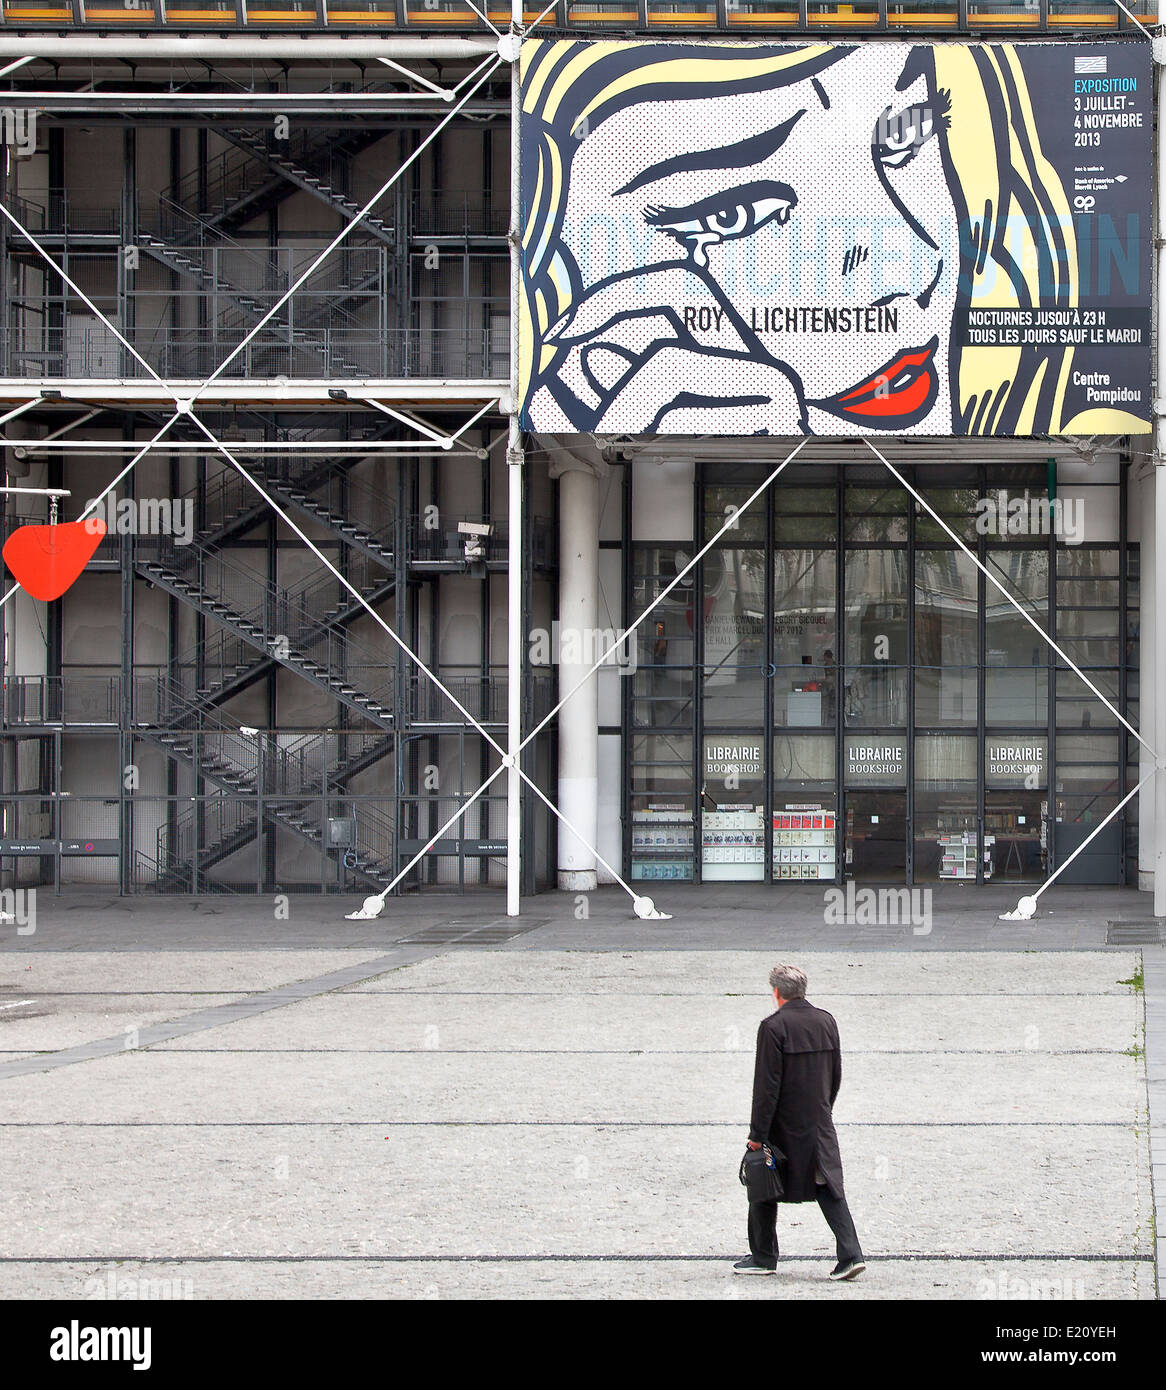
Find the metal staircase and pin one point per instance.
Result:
(285, 625)
(189, 846)
(313, 163)
(247, 769)
(257, 171)
(320, 491)
(192, 247)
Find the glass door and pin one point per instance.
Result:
(876, 836)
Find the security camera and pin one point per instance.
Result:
(476, 533)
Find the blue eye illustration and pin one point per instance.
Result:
(737, 212)
(898, 138)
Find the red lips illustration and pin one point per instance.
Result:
(47, 560)
(897, 396)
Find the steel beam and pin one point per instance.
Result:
(279, 48)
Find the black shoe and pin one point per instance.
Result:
(848, 1269)
(750, 1266)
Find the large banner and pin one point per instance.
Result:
(836, 239)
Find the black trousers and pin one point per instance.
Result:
(763, 1228)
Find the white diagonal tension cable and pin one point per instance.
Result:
(644, 906)
(1026, 906)
(380, 898)
(185, 404)
(1068, 660)
(184, 407)
(348, 227)
(730, 524)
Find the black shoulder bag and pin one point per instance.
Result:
(761, 1174)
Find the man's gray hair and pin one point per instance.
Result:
(789, 981)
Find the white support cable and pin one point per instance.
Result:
(402, 419)
(20, 409)
(469, 77)
(484, 18)
(923, 502)
(442, 92)
(1026, 907)
(93, 505)
(348, 227)
(404, 646)
(347, 584)
(374, 903)
(80, 293)
(1130, 15)
(631, 892)
(730, 525)
(490, 405)
(19, 63)
(542, 16)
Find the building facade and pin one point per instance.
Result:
(291, 659)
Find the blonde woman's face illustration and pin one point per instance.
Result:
(773, 262)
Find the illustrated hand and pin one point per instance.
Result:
(661, 350)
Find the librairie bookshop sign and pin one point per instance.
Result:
(729, 760)
(1017, 761)
(872, 761)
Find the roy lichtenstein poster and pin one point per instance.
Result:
(835, 239)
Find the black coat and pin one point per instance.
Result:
(795, 1081)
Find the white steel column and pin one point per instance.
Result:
(578, 629)
(514, 672)
(514, 462)
(1159, 688)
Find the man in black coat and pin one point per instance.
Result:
(795, 1083)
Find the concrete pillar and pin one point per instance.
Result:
(578, 469)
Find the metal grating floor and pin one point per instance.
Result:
(1151, 932)
(471, 933)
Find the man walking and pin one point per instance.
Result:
(795, 1082)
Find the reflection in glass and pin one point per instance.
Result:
(1015, 833)
(1016, 695)
(946, 825)
(875, 681)
(805, 644)
(945, 695)
(734, 636)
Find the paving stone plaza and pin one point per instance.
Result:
(191, 1110)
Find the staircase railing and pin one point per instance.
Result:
(286, 622)
(229, 495)
(314, 602)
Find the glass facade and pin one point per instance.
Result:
(838, 690)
